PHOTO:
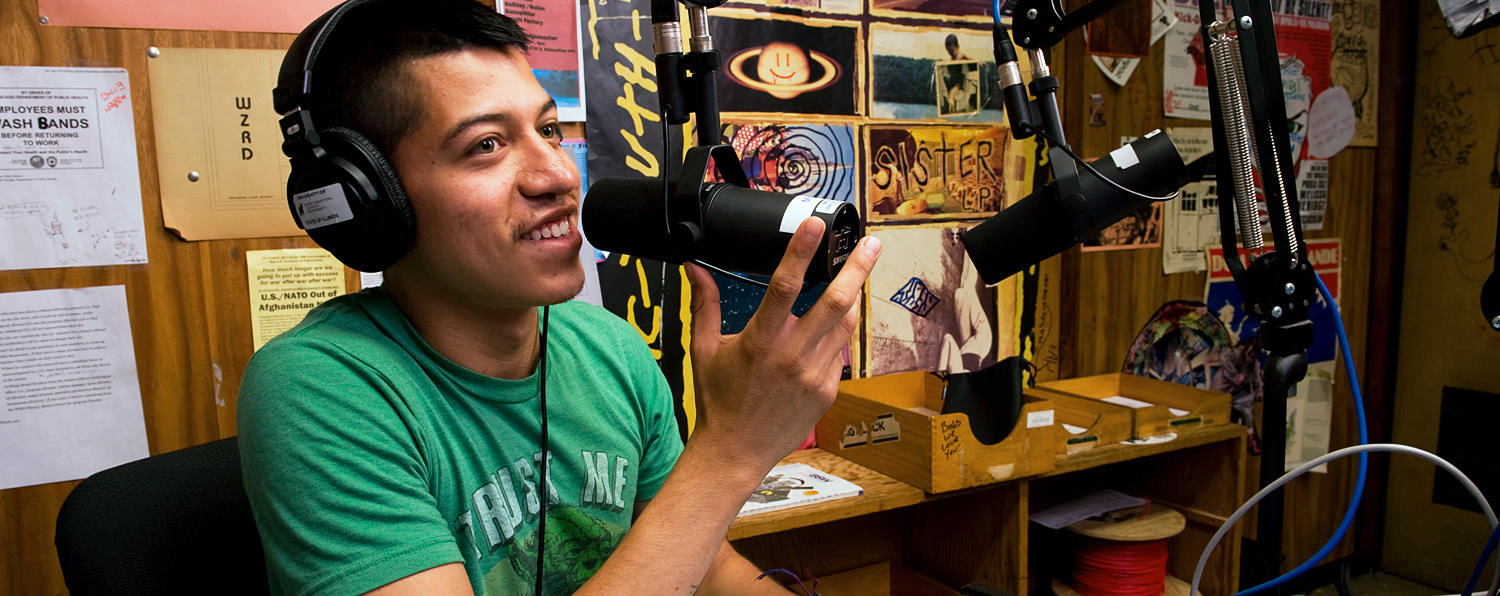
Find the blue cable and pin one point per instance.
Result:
(996, 11)
(1359, 482)
(1484, 557)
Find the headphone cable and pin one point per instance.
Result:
(543, 483)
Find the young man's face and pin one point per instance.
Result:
(494, 193)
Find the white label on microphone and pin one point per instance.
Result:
(799, 209)
(827, 206)
(323, 206)
(1124, 157)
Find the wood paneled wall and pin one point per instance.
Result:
(189, 304)
(1114, 293)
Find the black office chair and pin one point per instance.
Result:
(175, 523)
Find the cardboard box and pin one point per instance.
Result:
(1085, 424)
(1155, 407)
(893, 425)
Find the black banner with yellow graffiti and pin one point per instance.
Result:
(625, 140)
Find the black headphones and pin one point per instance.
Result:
(342, 189)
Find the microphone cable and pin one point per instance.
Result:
(1002, 30)
(544, 484)
(1102, 178)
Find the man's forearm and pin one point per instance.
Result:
(671, 545)
(734, 575)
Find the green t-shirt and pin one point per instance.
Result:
(369, 457)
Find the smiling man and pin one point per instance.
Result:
(392, 441)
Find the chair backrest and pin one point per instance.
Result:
(175, 523)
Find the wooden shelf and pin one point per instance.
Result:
(884, 493)
(881, 493)
(983, 533)
(1119, 452)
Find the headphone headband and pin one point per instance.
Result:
(294, 81)
(341, 189)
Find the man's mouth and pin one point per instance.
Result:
(560, 228)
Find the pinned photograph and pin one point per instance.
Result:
(957, 87)
(921, 74)
(976, 9)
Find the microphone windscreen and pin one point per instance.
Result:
(1025, 233)
(627, 215)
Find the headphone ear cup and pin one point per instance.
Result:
(369, 225)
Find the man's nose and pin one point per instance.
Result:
(549, 172)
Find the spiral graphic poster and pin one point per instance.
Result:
(801, 159)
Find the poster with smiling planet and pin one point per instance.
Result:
(806, 66)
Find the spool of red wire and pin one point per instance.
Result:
(1112, 568)
(1125, 555)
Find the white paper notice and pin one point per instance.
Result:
(1184, 82)
(1312, 193)
(71, 401)
(1332, 123)
(1309, 417)
(285, 284)
(1191, 221)
(70, 193)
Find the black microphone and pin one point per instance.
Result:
(1044, 223)
(724, 225)
(1017, 102)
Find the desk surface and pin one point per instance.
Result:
(883, 493)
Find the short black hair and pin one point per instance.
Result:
(361, 79)
(951, 41)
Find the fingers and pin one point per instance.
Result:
(843, 293)
(786, 281)
(705, 308)
(836, 339)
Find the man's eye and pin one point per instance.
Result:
(549, 131)
(486, 145)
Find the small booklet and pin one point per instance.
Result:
(797, 484)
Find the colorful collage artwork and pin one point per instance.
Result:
(888, 106)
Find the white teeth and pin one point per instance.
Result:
(555, 230)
